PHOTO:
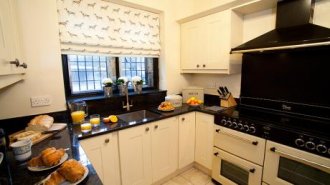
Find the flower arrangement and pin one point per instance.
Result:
(122, 80)
(107, 82)
(137, 80)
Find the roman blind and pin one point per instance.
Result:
(102, 27)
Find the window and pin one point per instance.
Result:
(83, 74)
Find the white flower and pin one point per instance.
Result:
(107, 81)
(136, 79)
(125, 79)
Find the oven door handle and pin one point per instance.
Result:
(273, 149)
(237, 137)
(252, 170)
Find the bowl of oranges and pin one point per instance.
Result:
(166, 106)
(194, 102)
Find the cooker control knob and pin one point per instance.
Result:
(229, 123)
(310, 145)
(224, 121)
(321, 148)
(240, 126)
(299, 142)
(246, 128)
(234, 125)
(252, 129)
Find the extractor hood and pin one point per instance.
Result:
(294, 29)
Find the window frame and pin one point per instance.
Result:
(67, 86)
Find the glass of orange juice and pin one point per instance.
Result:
(95, 120)
(86, 127)
(78, 116)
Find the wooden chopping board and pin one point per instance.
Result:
(55, 126)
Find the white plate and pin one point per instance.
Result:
(166, 110)
(1, 157)
(43, 168)
(66, 182)
(57, 126)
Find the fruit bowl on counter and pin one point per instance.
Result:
(166, 106)
(194, 102)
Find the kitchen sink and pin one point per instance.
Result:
(138, 116)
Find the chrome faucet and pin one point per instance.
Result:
(127, 106)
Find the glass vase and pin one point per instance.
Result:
(138, 88)
(108, 91)
(122, 89)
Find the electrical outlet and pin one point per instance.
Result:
(38, 101)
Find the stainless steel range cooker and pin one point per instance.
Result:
(254, 146)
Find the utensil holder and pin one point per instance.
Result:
(229, 101)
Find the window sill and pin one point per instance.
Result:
(101, 97)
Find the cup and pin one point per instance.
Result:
(22, 149)
(78, 117)
(86, 127)
(95, 120)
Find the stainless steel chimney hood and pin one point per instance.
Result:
(293, 29)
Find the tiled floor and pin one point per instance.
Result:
(190, 177)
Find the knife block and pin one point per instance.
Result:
(229, 101)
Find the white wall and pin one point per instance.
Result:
(40, 47)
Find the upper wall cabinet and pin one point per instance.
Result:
(206, 43)
(11, 69)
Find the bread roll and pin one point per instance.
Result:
(36, 161)
(55, 179)
(40, 123)
(33, 135)
(72, 170)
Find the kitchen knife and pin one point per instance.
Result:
(220, 94)
(223, 91)
(226, 90)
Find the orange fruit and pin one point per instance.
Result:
(106, 120)
(113, 118)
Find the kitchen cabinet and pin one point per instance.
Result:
(102, 152)
(148, 152)
(206, 43)
(9, 45)
(186, 139)
(204, 139)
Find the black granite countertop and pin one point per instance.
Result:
(105, 128)
(64, 139)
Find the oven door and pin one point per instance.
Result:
(231, 170)
(286, 166)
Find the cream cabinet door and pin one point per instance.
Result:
(204, 139)
(164, 147)
(186, 139)
(217, 36)
(135, 155)
(8, 38)
(191, 45)
(102, 152)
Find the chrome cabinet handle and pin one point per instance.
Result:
(237, 137)
(216, 153)
(107, 140)
(15, 62)
(204, 65)
(24, 65)
(147, 129)
(182, 119)
(156, 126)
(252, 170)
(284, 154)
(197, 65)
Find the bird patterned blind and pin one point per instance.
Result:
(102, 27)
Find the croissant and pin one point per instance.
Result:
(48, 157)
(52, 157)
(55, 179)
(72, 170)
